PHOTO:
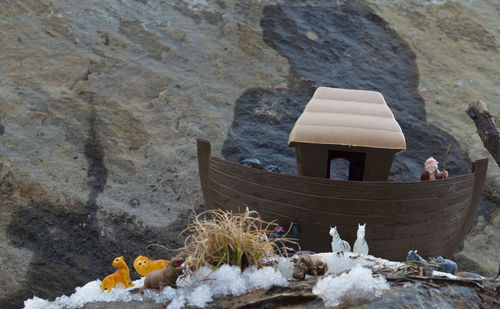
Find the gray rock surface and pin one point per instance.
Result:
(100, 106)
(298, 295)
(101, 103)
(456, 52)
(353, 48)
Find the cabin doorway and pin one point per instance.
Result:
(345, 165)
(339, 169)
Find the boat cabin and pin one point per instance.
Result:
(354, 125)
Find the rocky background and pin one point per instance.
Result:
(101, 104)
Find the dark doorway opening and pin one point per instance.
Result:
(346, 165)
(339, 169)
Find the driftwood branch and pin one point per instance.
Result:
(486, 128)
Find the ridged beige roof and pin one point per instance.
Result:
(348, 117)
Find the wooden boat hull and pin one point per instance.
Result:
(432, 217)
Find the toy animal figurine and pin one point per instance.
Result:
(338, 245)
(414, 257)
(445, 265)
(360, 246)
(431, 170)
(121, 275)
(158, 279)
(143, 265)
(438, 263)
(306, 264)
(281, 245)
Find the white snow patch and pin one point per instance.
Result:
(340, 262)
(285, 266)
(357, 284)
(263, 278)
(176, 303)
(201, 296)
(90, 292)
(443, 274)
(197, 289)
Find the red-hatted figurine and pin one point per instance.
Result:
(431, 170)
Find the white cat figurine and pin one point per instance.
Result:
(360, 246)
(338, 245)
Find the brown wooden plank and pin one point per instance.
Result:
(356, 206)
(479, 168)
(372, 190)
(428, 246)
(381, 231)
(423, 245)
(398, 218)
(387, 228)
(204, 148)
(352, 207)
(429, 221)
(431, 246)
(437, 243)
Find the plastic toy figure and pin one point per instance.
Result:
(438, 263)
(283, 246)
(360, 246)
(158, 279)
(121, 275)
(306, 264)
(143, 265)
(338, 244)
(431, 170)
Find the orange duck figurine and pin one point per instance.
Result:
(143, 265)
(121, 275)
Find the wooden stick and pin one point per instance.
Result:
(486, 128)
(446, 157)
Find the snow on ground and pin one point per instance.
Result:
(339, 262)
(196, 290)
(90, 292)
(357, 284)
(201, 287)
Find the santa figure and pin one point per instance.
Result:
(431, 170)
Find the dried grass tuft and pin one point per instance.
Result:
(217, 237)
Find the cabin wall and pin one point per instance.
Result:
(378, 164)
(313, 160)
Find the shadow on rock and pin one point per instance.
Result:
(342, 46)
(69, 252)
(70, 248)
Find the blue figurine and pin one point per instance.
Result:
(444, 265)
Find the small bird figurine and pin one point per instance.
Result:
(338, 245)
(360, 245)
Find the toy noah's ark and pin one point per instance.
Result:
(359, 127)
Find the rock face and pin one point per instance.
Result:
(100, 106)
(101, 103)
(299, 295)
(456, 46)
(353, 48)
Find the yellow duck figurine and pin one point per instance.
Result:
(143, 265)
(121, 275)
